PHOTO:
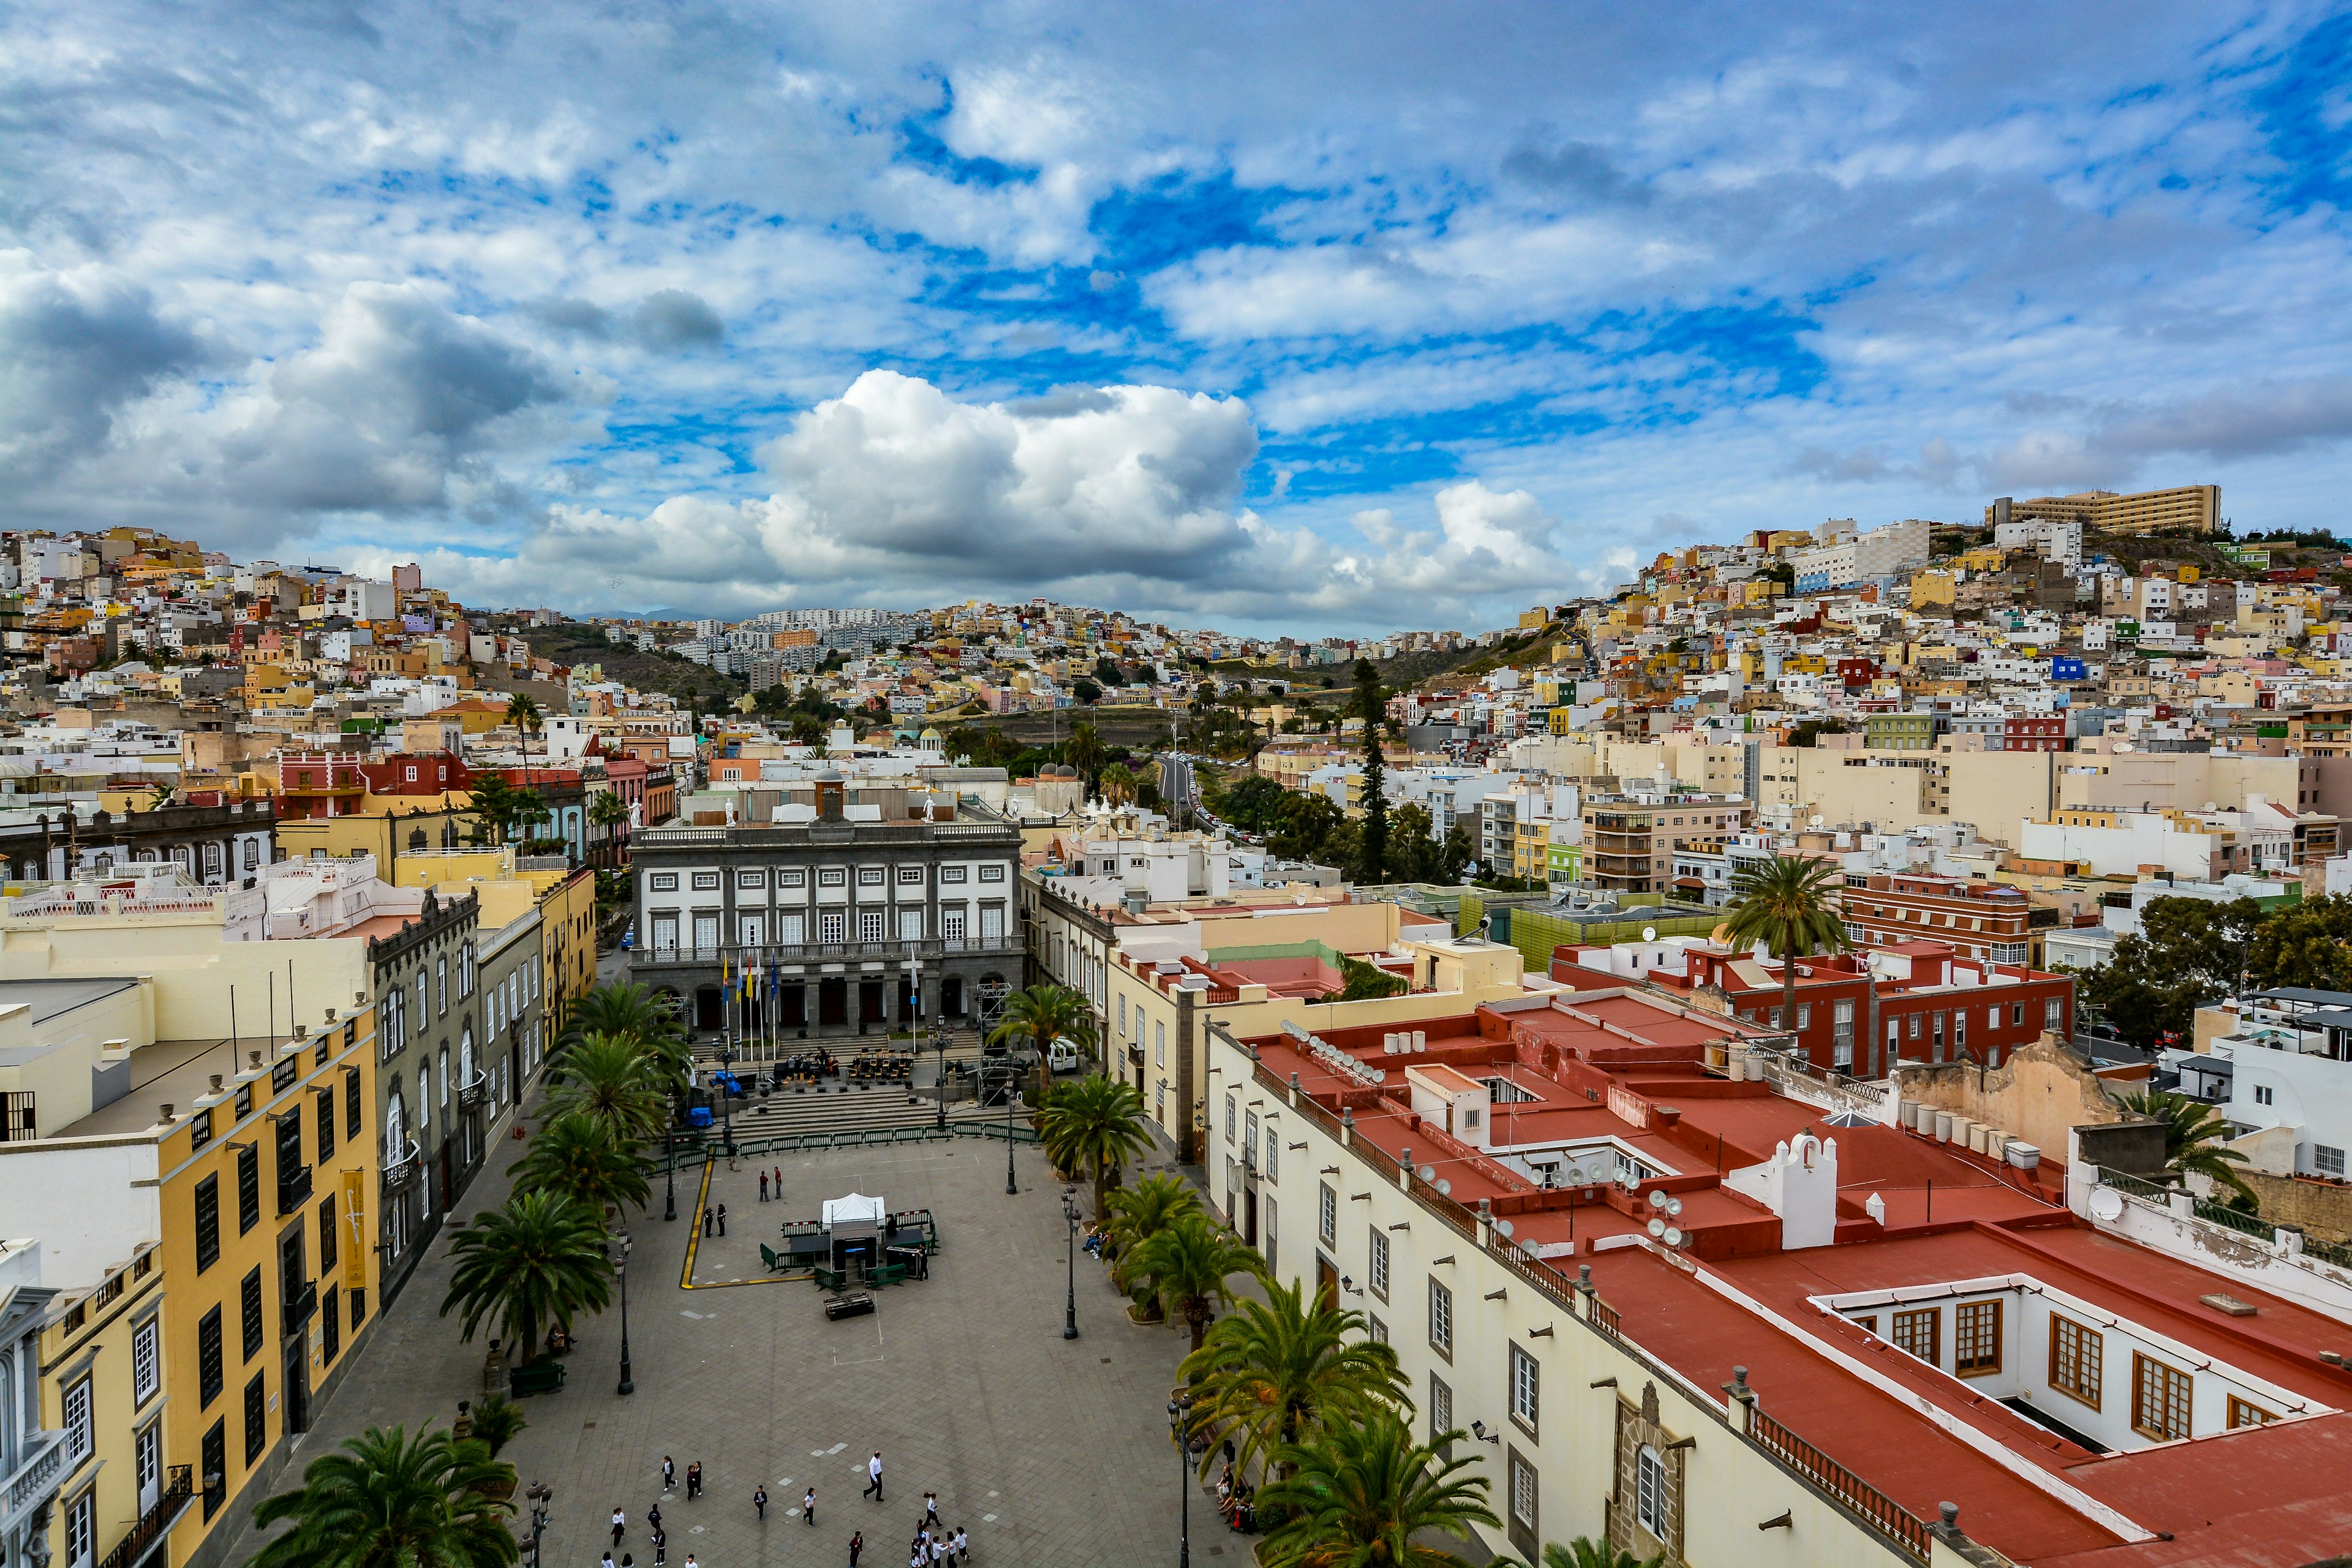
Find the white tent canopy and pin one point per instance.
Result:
(853, 1209)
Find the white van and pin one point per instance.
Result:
(1061, 1056)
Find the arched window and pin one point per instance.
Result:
(1650, 1491)
(444, 1077)
(466, 1054)
(416, 838)
(396, 1129)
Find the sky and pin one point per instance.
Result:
(1318, 319)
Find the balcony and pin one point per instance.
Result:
(403, 1172)
(471, 1094)
(301, 1303)
(825, 951)
(37, 1475)
(293, 1189)
(156, 1523)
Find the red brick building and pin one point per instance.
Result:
(1985, 921)
(2033, 733)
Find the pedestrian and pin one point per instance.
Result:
(608, 1560)
(759, 1501)
(661, 1549)
(669, 1474)
(653, 1518)
(808, 1507)
(689, 1560)
(963, 1545)
(620, 1523)
(722, 1219)
(694, 1481)
(857, 1545)
(780, 1183)
(764, 1186)
(705, 1222)
(931, 1509)
(873, 1473)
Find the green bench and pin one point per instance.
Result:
(537, 1377)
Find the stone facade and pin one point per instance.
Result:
(1639, 1432)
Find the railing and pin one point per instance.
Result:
(819, 952)
(298, 1306)
(683, 1156)
(2232, 1219)
(156, 1523)
(293, 1189)
(1872, 1507)
(43, 1466)
(2135, 1187)
(404, 1171)
(1603, 1316)
(471, 1094)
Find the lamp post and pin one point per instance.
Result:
(1009, 1188)
(726, 1094)
(1070, 1308)
(621, 1267)
(1176, 1409)
(540, 1498)
(669, 1163)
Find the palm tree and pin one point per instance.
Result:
(1270, 1370)
(1365, 1492)
(522, 712)
(388, 1501)
(1586, 1552)
(609, 1078)
(498, 1422)
(1093, 1123)
(2195, 1139)
(1786, 903)
(1043, 1013)
(1187, 1265)
(537, 1261)
(608, 812)
(624, 1011)
(1084, 750)
(1141, 1212)
(580, 1158)
(1118, 783)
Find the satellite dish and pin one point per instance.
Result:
(1445, 1187)
(1657, 1197)
(1657, 1227)
(1429, 1172)
(1504, 1225)
(1673, 1237)
(1649, 934)
(2106, 1204)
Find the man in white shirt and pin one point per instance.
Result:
(873, 1475)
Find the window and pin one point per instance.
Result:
(248, 1189)
(327, 1237)
(2244, 1414)
(1160, 1045)
(1525, 1379)
(1269, 1234)
(792, 879)
(2051, 1015)
(2262, 1095)
(1523, 1493)
(2159, 1399)
(750, 882)
(325, 1109)
(1440, 1412)
(1921, 1333)
(82, 1524)
(1273, 1152)
(2327, 1159)
(1379, 1266)
(209, 1378)
(1804, 1015)
(1650, 1491)
(951, 874)
(352, 1105)
(706, 880)
(1976, 1338)
(359, 1308)
(215, 1468)
(1122, 1013)
(991, 873)
(1231, 1104)
(2017, 1015)
(2075, 1352)
(1992, 1016)
(1867, 1323)
(832, 876)
(207, 1223)
(331, 1327)
(1376, 1331)
(869, 925)
(910, 875)
(256, 1417)
(1441, 1319)
(80, 1434)
(248, 1294)
(146, 1362)
(830, 926)
(1327, 1214)
(441, 984)
(870, 876)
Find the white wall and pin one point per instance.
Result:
(117, 1204)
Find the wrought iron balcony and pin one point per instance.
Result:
(739, 956)
(471, 1094)
(301, 1303)
(293, 1189)
(156, 1524)
(405, 1171)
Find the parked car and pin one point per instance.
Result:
(1061, 1056)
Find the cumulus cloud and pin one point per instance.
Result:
(76, 347)
(667, 320)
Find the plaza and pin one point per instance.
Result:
(1047, 1451)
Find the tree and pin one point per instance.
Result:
(1459, 850)
(1374, 712)
(1586, 1552)
(1365, 1492)
(1252, 803)
(1270, 1370)
(1811, 730)
(1786, 903)
(581, 1158)
(385, 1500)
(524, 714)
(608, 1079)
(1043, 1013)
(2309, 943)
(497, 1421)
(499, 811)
(1303, 824)
(1141, 1212)
(1093, 1123)
(535, 1262)
(2196, 1138)
(1084, 750)
(2186, 951)
(1186, 1265)
(609, 811)
(1118, 784)
(623, 1011)
(1086, 691)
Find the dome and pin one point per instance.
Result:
(828, 776)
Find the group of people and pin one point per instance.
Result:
(660, 1537)
(1236, 1500)
(934, 1546)
(1098, 1244)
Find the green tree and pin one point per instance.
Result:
(1587, 1552)
(2185, 951)
(384, 1500)
(1252, 802)
(1118, 784)
(1270, 1370)
(1186, 1266)
(2307, 944)
(500, 812)
(2196, 1138)
(1086, 691)
(1460, 849)
(1093, 1123)
(1304, 826)
(1084, 750)
(1374, 711)
(579, 1157)
(623, 1011)
(1043, 1013)
(1141, 1212)
(537, 1261)
(611, 812)
(1364, 1492)
(1787, 904)
(524, 714)
(497, 1421)
(612, 1079)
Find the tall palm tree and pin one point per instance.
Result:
(2196, 1138)
(580, 1157)
(385, 1500)
(1187, 1265)
(535, 1262)
(624, 1011)
(1084, 750)
(1366, 1493)
(609, 1078)
(1093, 1123)
(1118, 783)
(1787, 904)
(1043, 1013)
(608, 812)
(1271, 1371)
(1586, 1552)
(1141, 1212)
(522, 712)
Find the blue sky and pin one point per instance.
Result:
(1312, 318)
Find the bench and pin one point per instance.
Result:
(535, 1377)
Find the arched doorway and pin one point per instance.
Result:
(709, 1007)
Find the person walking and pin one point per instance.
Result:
(689, 1560)
(808, 1507)
(857, 1545)
(661, 1549)
(874, 1474)
(931, 1510)
(963, 1545)
(608, 1560)
(780, 1183)
(759, 1501)
(669, 1474)
(653, 1518)
(722, 1219)
(620, 1523)
(694, 1481)
(764, 1186)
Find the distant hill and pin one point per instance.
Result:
(570, 643)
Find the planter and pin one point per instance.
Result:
(498, 1491)
(1138, 1313)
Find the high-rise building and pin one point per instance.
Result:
(2195, 508)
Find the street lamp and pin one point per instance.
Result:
(540, 1500)
(1176, 1412)
(1009, 1188)
(726, 1093)
(621, 1267)
(669, 1163)
(1070, 1311)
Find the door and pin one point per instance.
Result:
(869, 1002)
(706, 937)
(795, 1006)
(709, 1007)
(755, 928)
(832, 1004)
(298, 1382)
(147, 1455)
(1249, 1218)
(293, 1275)
(1327, 1283)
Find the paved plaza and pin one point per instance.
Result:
(1048, 1451)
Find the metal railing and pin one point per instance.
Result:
(739, 955)
(299, 1307)
(293, 1189)
(683, 1155)
(1866, 1503)
(471, 1094)
(156, 1523)
(404, 1171)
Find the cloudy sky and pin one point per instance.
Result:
(1318, 317)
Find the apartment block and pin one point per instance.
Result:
(1631, 840)
(2195, 507)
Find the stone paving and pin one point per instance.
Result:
(1048, 1451)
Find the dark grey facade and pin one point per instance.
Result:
(215, 845)
(853, 920)
(433, 1094)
